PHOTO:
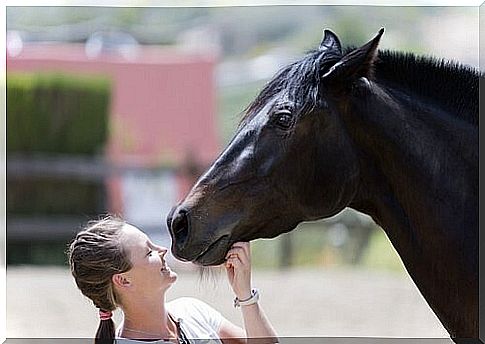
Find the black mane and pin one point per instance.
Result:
(450, 84)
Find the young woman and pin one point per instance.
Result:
(116, 265)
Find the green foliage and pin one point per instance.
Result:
(381, 254)
(48, 196)
(311, 248)
(37, 253)
(231, 104)
(56, 113)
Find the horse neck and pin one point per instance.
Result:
(419, 180)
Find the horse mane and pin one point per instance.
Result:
(450, 84)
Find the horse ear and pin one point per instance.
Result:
(330, 41)
(356, 64)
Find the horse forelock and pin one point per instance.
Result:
(299, 82)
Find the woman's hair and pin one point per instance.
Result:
(95, 255)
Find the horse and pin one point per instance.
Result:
(390, 134)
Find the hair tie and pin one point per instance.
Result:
(105, 315)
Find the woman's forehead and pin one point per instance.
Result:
(132, 236)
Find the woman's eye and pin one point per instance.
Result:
(284, 120)
(149, 253)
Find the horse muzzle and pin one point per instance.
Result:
(202, 241)
(178, 224)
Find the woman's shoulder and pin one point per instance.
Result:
(183, 300)
(134, 341)
(196, 316)
(183, 306)
(187, 302)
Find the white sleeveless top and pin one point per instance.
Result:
(199, 321)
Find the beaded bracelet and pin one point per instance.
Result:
(249, 301)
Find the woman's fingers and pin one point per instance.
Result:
(234, 262)
(239, 253)
(238, 268)
(245, 246)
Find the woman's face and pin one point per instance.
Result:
(149, 272)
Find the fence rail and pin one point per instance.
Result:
(77, 167)
(42, 228)
(61, 167)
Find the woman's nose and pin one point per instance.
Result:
(162, 251)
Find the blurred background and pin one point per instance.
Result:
(119, 110)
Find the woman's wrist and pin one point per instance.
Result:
(243, 290)
(244, 295)
(252, 299)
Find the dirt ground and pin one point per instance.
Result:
(44, 302)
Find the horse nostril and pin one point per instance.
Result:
(170, 217)
(179, 223)
(180, 227)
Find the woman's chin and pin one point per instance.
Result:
(172, 276)
(168, 275)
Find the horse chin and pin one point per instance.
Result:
(209, 261)
(215, 254)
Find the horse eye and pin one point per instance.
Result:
(283, 120)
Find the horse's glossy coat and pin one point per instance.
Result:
(388, 134)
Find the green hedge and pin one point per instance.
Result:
(56, 113)
(42, 196)
(37, 252)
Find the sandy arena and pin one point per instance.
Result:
(44, 302)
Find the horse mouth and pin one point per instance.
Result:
(215, 253)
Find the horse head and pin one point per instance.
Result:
(291, 159)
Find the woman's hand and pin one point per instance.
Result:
(238, 268)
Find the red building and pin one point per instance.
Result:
(163, 106)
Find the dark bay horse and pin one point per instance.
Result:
(389, 134)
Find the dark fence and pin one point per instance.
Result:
(56, 126)
(41, 220)
(42, 225)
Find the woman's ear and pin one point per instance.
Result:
(121, 280)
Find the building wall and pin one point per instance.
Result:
(163, 106)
